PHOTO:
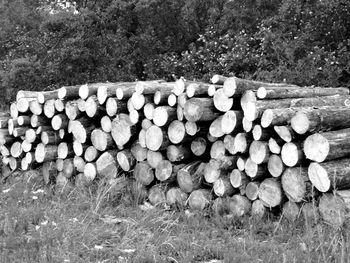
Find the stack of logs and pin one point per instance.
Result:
(239, 146)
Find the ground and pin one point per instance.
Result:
(98, 224)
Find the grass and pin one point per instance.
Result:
(103, 224)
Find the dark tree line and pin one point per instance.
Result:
(45, 44)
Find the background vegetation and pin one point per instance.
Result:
(45, 44)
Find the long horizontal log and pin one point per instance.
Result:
(200, 109)
(334, 174)
(68, 92)
(45, 153)
(320, 147)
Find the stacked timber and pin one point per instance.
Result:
(233, 145)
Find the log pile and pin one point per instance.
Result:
(235, 145)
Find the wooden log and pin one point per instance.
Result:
(191, 128)
(26, 146)
(200, 109)
(101, 140)
(150, 87)
(91, 154)
(69, 169)
(182, 99)
(16, 149)
(49, 108)
(286, 133)
(104, 91)
(199, 146)
(26, 94)
(270, 192)
(115, 106)
(241, 163)
(90, 172)
(278, 117)
(13, 110)
(222, 102)
(199, 199)
(179, 153)
(68, 92)
(59, 121)
(291, 211)
(197, 89)
(330, 175)
(35, 107)
(23, 120)
(4, 122)
(322, 119)
(37, 121)
(47, 95)
(247, 124)
(148, 110)
(239, 179)
(239, 205)
(222, 187)
(260, 134)
(327, 146)
(232, 122)
(65, 150)
(60, 105)
(106, 124)
(176, 132)
(125, 91)
(82, 130)
(4, 150)
(163, 115)
(156, 195)
(139, 152)
(156, 138)
(19, 132)
(332, 209)
(295, 184)
(258, 210)
(79, 163)
(23, 105)
(14, 163)
(59, 165)
(190, 177)
(24, 165)
(229, 143)
(161, 95)
(126, 160)
(122, 130)
(143, 173)
(274, 145)
(172, 100)
(50, 137)
(166, 172)
(79, 148)
(216, 168)
(45, 153)
(292, 154)
(139, 100)
(275, 165)
(154, 158)
(106, 164)
(259, 152)
(300, 92)
(310, 213)
(242, 142)
(220, 206)
(217, 150)
(252, 190)
(175, 197)
(30, 136)
(236, 86)
(93, 108)
(254, 110)
(218, 79)
(72, 111)
(254, 170)
(215, 128)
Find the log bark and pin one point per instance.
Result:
(154, 158)
(150, 87)
(254, 170)
(234, 86)
(26, 94)
(126, 160)
(239, 205)
(199, 146)
(139, 152)
(161, 95)
(179, 153)
(106, 90)
(125, 91)
(327, 146)
(163, 115)
(115, 106)
(292, 154)
(270, 193)
(296, 184)
(218, 79)
(143, 173)
(19, 132)
(91, 154)
(101, 140)
(45, 153)
(252, 190)
(37, 121)
(275, 165)
(222, 187)
(323, 119)
(106, 164)
(334, 174)
(200, 109)
(259, 152)
(197, 89)
(47, 95)
(199, 199)
(191, 176)
(300, 92)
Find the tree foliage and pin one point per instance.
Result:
(45, 44)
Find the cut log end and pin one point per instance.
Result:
(316, 147)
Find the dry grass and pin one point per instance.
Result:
(102, 224)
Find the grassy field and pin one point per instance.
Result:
(101, 224)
